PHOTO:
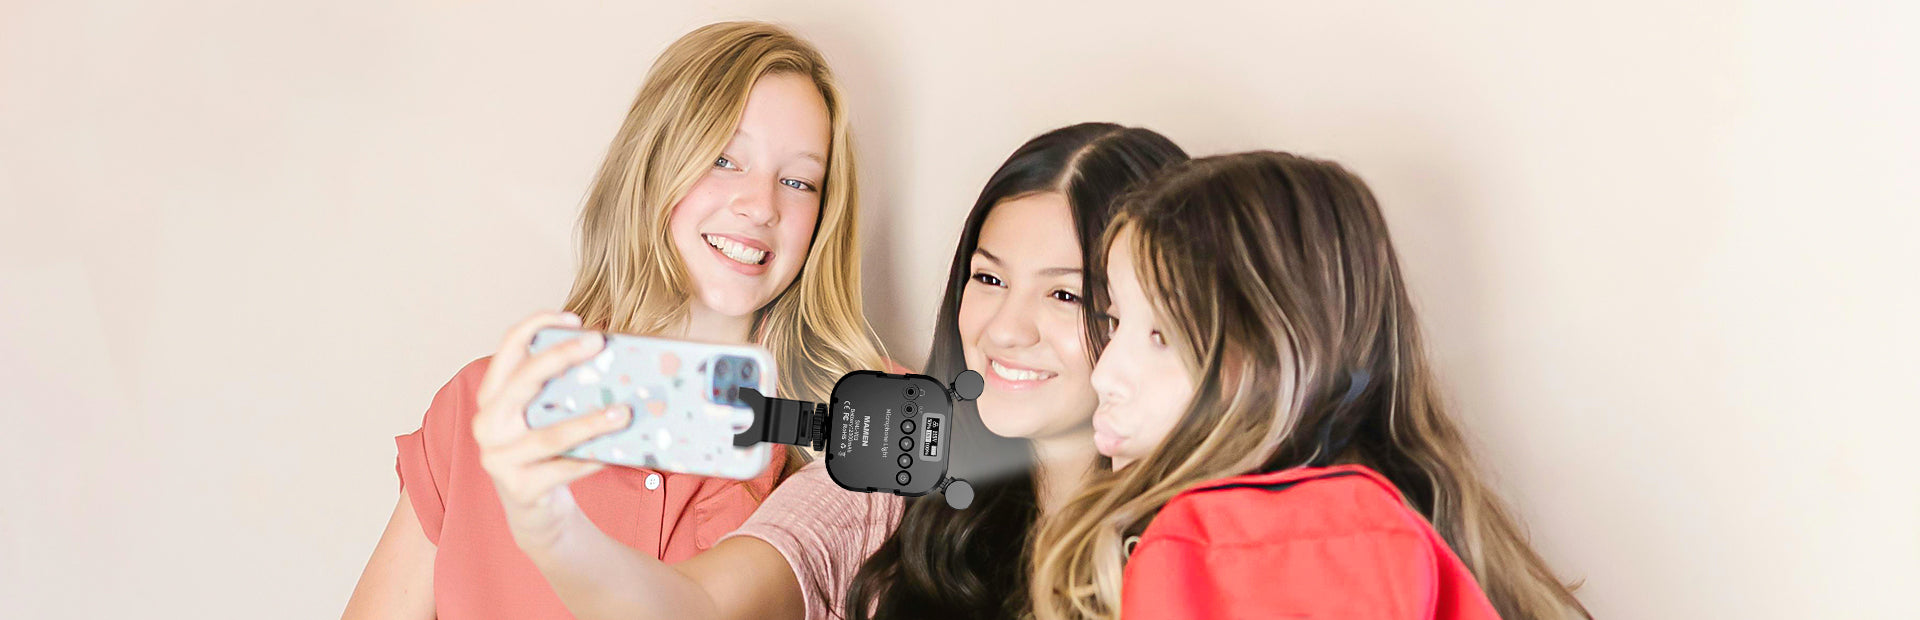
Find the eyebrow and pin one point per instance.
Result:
(1050, 271)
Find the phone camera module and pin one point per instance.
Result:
(730, 373)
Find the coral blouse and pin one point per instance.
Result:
(478, 572)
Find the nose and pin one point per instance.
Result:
(1012, 326)
(753, 200)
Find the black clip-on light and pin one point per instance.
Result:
(880, 432)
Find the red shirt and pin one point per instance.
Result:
(1334, 542)
(478, 572)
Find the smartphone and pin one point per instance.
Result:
(684, 396)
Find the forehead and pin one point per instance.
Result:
(1122, 279)
(1032, 232)
(785, 112)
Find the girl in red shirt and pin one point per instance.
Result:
(1279, 444)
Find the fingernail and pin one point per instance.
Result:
(619, 413)
(592, 341)
(570, 318)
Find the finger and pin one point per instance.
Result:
(502, 414)
(544, 444)
(513, 347)
(525, 382)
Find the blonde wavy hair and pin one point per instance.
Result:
(1279, 283)
(632, 280)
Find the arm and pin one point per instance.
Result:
(593, 574)
(398, 580)
(597, 577)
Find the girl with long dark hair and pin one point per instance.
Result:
(1012, 312)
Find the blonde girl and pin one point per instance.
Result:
(725, 211)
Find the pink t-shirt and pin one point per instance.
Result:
(478, 572)
(825, 532)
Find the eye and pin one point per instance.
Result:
(724, 162)
(1066, 296)
(987, 279)
(797, 184)
(1111, 322)
(1158, 340)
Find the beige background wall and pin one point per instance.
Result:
(1665, 251)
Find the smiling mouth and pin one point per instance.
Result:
(737, 251)
(1018, 374)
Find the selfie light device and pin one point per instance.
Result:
(880, 431)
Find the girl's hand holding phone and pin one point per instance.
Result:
(526, 464)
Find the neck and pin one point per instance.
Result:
(1061, 462)
(702, 323)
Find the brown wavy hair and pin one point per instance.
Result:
(1279, 281)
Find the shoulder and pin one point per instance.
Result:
(466, 381)
(1296, 504)
(470, 374)
(1316, 542)
(458, 398)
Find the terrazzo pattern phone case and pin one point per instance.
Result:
(683, 394)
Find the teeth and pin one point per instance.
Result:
(1018, 375)
(735, 250)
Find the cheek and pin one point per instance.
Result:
(694, 208)
(798, 219)
(1066, 336)
(684, 221)
(1167, 390)
(974, 313)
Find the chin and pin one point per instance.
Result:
(1016, 422)
(733, 309)
(1003, 429)
(734, 303)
